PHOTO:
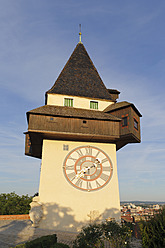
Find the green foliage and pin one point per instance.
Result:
(153, 231)
(43, 242)
(20, 246)
(90, 236)
(97, 235)
(12, 203)
(59, 245)
(56, 245)
(118, 236)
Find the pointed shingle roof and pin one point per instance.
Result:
(80, 77)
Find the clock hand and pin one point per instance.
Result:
(96, 163)
(83, 171)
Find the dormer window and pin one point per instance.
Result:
(93, 105)
(68, 102)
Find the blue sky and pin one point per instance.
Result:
(125, 40)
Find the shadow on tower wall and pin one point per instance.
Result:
(63, 218)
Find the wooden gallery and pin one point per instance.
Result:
(76, 135)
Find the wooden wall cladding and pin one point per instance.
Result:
(61, 128)
(73, 125)
(28, 145)
(135, 118)
(132, 117)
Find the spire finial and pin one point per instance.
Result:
(80, 33)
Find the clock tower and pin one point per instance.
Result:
(76, 135)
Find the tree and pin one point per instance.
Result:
(12, 203)
(118, 236)
(89, 237)
(98, 235)
(153, 231)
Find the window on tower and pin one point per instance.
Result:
(93, 105)
(135, 124)
(65, 147)
(68, 102)
(125, 122)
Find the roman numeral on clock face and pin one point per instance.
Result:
(89, 186)
(71, 175)
(98, 184)
(69, 167)
(104, 160)
(74, 159)
(106, 168)
(88, 151)
(79, 183)
(97, 154)
(104, 177)
(79, 152)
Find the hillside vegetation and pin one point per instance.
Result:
(11, 204)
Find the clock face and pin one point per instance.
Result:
(87, 168)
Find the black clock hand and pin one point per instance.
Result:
(96, 163)
(84, 170)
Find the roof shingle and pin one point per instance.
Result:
(79, 77)
(120, 105)
(73, 113)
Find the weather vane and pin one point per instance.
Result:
(80, 33)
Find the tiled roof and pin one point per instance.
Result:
(72, 113)
(113, 91)
(120, 105)
(80, 77)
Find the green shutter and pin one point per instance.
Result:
(93, 105)
(68, 102)
(71, 102)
